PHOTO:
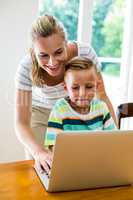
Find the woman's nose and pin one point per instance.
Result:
(52, 61)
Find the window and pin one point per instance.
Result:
(107, 36)
(107, 33)
(66, 11)
(108, 18)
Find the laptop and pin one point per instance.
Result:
(84, 160)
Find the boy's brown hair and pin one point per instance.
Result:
(79, 63)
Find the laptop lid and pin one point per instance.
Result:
(89, 160)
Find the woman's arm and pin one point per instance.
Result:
(24, 131)
(101, 94)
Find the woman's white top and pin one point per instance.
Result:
(46, 96)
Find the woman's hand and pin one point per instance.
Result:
(43, 160)
(101, 93)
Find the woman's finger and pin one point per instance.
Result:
(45, 166)
(39, 167)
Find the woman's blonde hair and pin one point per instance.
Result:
(44, 26)
(79, 63)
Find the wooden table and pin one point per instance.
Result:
(18, 180)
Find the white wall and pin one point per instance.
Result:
(15, 19)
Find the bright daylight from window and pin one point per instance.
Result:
(66, 11)
(107, 33)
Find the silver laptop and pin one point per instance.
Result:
(85, 160)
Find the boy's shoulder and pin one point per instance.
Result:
(62, 102)
(99, 103)
(61, 107)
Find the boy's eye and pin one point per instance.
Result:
(90, 86)
(75, 88)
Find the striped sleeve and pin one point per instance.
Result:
(108, 122)
(54, 125)
(22, 77)
(86, 50)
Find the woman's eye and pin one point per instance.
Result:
(58, 52)
(43, 56)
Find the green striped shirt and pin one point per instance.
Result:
(64, 117)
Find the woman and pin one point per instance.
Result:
(39, 83)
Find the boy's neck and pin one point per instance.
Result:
(80, 110)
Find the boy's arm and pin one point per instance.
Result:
(54, 126)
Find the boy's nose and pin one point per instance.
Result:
(82, 92)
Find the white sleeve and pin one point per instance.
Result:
(86, 50)
(23, 75)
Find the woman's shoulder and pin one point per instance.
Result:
(26, 61)
(86, 50)
(23, 74)
(72, 49)
(76, 48)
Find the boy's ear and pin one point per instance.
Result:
(65, 87)
(96, 85)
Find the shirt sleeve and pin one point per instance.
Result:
(54, 126)
(86, 50)
(108, 122)
(23, 75)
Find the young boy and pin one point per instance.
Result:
(80, 110)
